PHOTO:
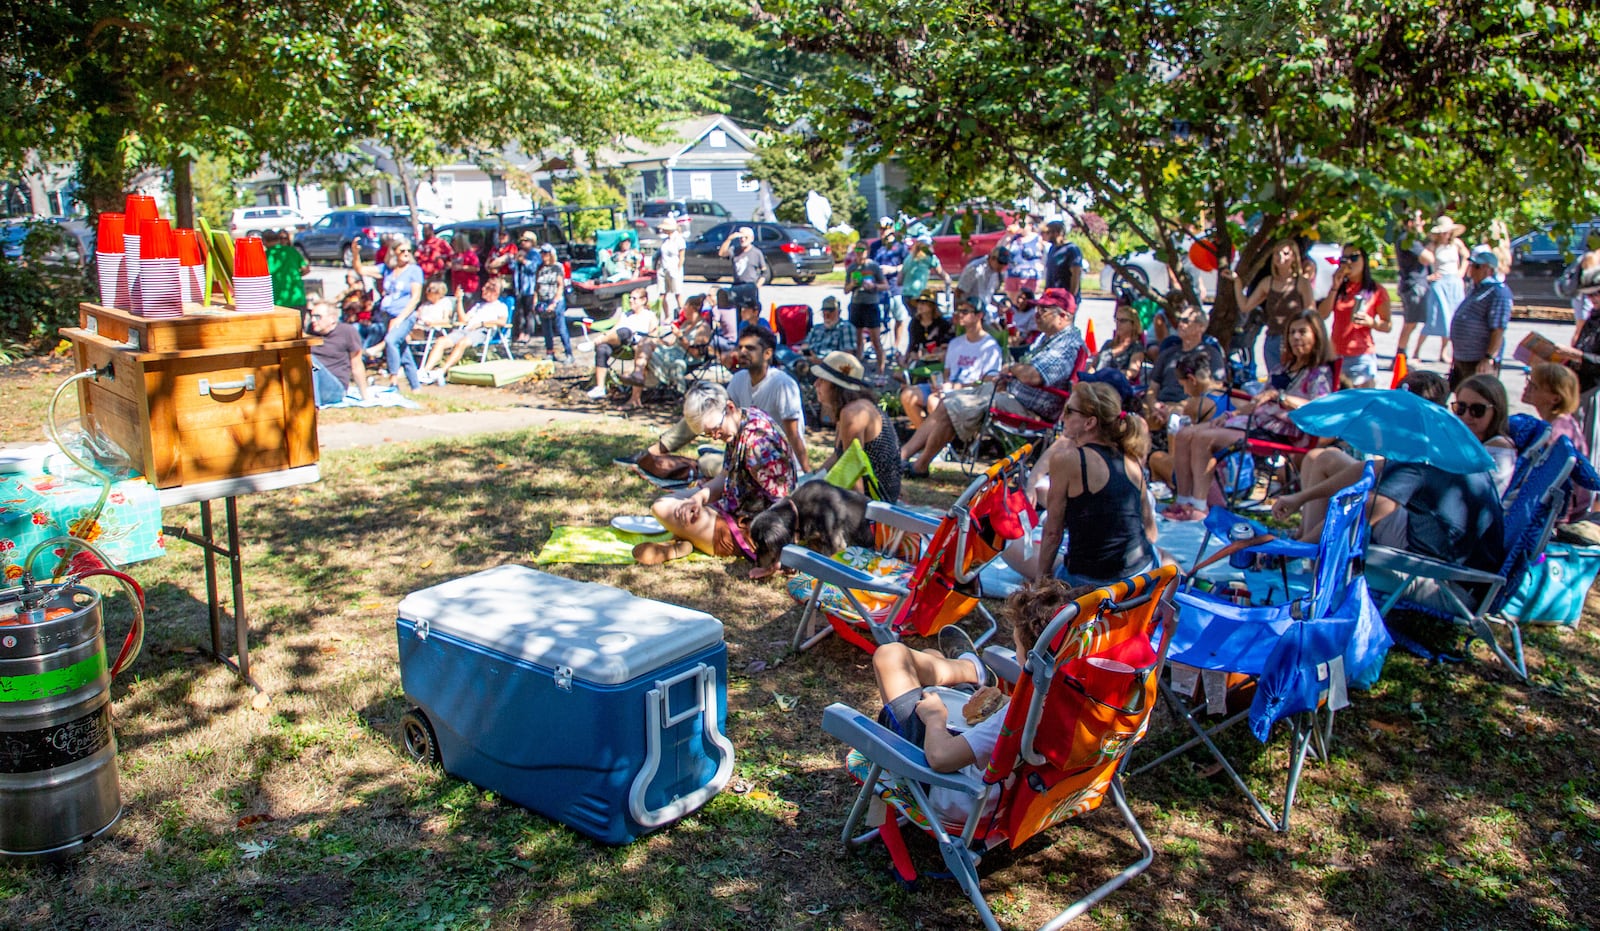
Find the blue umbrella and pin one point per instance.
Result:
(1397, 425)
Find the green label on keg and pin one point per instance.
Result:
(35, 686)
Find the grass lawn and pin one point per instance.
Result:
(1456, 797)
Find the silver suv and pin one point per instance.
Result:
(701, 214)
(253, 221)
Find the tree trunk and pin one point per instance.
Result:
(411, 196)
(182, 192)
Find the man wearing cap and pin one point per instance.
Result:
(1478, 328)
(1021, 390)
(920, 267)
(669, 265)
(890, 253)
(749, 265)
(831, 335)
(981, 278)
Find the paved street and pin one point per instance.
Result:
(1098, 311)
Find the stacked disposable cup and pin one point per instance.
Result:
(139, 208)
(108, 262)
(156, 292)
(191, 266)
(252, 284)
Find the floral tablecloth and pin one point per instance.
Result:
(56, 499)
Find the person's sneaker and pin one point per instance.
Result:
(955, 644)
(1160, 491)
(597, 392)
(566, 359)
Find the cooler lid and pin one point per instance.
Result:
(606, 635)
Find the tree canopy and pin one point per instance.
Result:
(1259, 117)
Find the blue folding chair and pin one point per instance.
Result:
(1472, 598)
(1303, 654)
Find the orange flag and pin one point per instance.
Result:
(1399, 370)
(1088, 339)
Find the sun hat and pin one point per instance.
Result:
(1483, 255)
(842, 369)
(1446, 225)
(548, 248)
(667, 225)
(527, 236)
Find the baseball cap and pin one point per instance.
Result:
(1057, 297)
(548, 248)
(1483, 255)
(884, 221)
(1001, 254)
(830, 303)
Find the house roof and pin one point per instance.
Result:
(678, 138)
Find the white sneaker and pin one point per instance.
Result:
(597, 392)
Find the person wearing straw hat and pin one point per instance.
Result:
(1446, 257)
(669, 265)
(841, 387)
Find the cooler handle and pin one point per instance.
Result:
(658, 716)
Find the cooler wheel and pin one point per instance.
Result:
(417, 735)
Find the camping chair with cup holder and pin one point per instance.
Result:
(1081, 699)
(1003, 432)
(921, 574)
(1301, 656)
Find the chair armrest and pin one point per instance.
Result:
(1400, 562)
(835, 572)
(1002, 661)
(899, 518)
(889, 750)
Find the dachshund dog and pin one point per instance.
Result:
(818, 516)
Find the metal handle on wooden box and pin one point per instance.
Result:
(659, 716)
(206, 387)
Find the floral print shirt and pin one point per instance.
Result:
(759, 469)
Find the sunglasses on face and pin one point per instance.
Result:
(1347, 259)
(1475, 409)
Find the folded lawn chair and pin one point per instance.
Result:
(877, 595)
(1301, 654)
(1082, 699)
(1540, 498)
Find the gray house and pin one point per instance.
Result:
(704, 158)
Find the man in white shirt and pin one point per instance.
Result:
(758, 385)
(669, 270)
(982, 277)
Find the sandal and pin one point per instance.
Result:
(630, 406)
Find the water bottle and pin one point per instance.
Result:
(1241, 559)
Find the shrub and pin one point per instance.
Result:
(841, 239)
(40, 292)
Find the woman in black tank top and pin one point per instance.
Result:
(1097, 498)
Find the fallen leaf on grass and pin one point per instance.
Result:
(1383, 726)
(759, 795)
(327, 648)
(755, 666)
(250, 821)
(785, 703)
(253, 849)
(425, 564)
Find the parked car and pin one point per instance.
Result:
(253, 221)
(701, 214)
(989, 227)
(64, 240)
(1149, 270)
(792, 251)
(328, 239)
(484, 234)
(1539, 257)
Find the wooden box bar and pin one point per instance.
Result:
(214, 394)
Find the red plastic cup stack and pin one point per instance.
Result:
(108, 263)
(157, 293)
(191, 266)
(252, 284)
(139, 208)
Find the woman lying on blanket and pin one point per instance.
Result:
(757, 471)
(1307, 375)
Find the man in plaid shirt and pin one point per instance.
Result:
(833, 335)
(1478, 328)
(1049, 364)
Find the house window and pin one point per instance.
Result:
(700, 185)
(748, 184)
(497, 186)
(718, 139)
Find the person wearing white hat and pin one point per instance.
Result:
(749, 265)
(1446, 256)
(1478, 329)
(669, 265)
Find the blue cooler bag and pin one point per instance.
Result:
(597, 709)
(1553, 590)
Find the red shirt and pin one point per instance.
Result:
(464, 271)
(508, 252)
(1347, 338)
(433, 255)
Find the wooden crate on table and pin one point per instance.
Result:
(213, 394)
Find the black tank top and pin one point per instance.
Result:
(1105, 528)
(883, 452)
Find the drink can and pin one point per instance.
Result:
(1241, 559)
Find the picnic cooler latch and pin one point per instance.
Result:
(564, 678)
(658, 718)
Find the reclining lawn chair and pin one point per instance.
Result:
(1068, 728)
(1540, 498)
(1302, 655)
(1002, 433)
(922, 574)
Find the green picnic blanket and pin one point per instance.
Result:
(498, 372)
(596, 546)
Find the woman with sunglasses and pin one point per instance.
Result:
(1306, 375)
(1095, 503)
(1357, 306)
(1481, 404)
(1125, 352)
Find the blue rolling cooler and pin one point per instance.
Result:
(577, 700)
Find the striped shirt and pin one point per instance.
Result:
(1487, 308)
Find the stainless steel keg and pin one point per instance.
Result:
(58, 767)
